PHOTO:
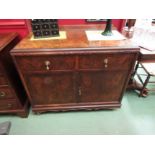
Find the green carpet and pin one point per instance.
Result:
(136, 116)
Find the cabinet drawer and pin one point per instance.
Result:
(6, 93)
(8, 104)
(3, 81)
(105, 61)
(46, 63)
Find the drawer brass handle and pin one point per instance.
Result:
(106, 62)
(47, 64)
(79, 91)
(9, 105)
(2, 94)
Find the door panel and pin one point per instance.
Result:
(101, 86)
(56, 88)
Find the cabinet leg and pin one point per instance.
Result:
(37, 113)
(22, 114)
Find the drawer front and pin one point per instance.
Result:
(3, 81)
(6, 93)
(46, 63)
(105, 61)
(8, 104)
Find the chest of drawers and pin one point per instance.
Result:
(74, 74)
(13, 98)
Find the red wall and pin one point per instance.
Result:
(118, 23)
(14, 25)
(21, 25)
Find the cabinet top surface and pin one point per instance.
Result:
(5, 39)
(75, 39)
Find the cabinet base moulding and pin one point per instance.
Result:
(22, 112)
(41, 109)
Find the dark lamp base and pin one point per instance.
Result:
(107, 33)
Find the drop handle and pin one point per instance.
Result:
(9, 105)
(47, 65)
(2, 94)
(79, 91)
(106, 62)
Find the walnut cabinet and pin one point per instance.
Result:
(13, 98)
(74, 73)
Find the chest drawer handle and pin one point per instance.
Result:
(2, 94)
(47, 64)
(106, 62)
(9, 105)
(80, 93)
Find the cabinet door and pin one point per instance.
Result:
(101, 86)
(51, 88)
